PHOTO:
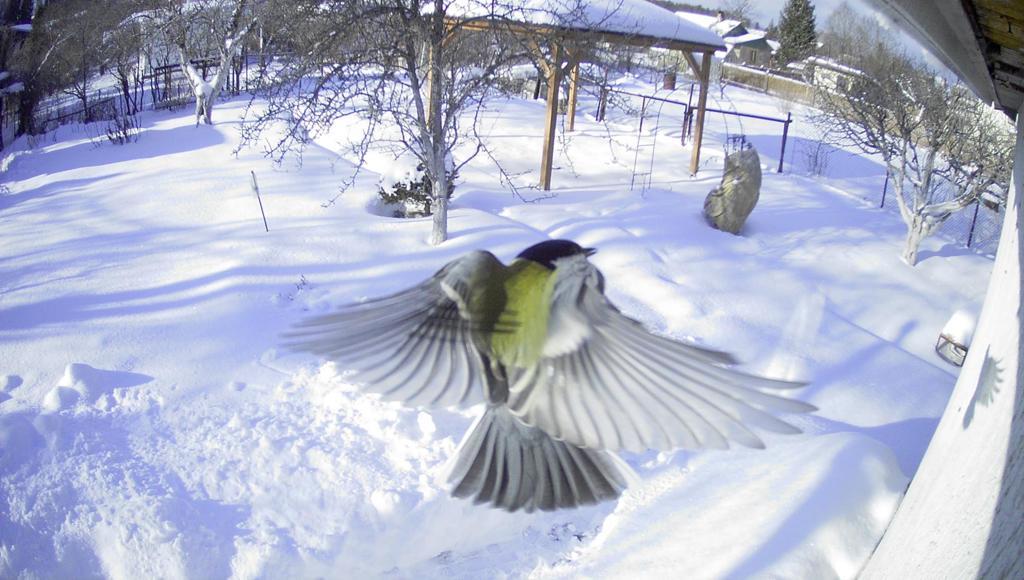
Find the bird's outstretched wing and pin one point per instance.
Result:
(420, 345)
(605, 382)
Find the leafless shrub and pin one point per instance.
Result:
(123, 129)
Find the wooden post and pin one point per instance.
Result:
(574, 83)
(550, 121)
(704, 73)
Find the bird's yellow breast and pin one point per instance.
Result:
(523, 325)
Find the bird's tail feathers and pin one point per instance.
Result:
(513, 466)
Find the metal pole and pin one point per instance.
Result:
(256, 188)
(785, 134)
(686, 121)
(636, 152)
(885, 187)
(974, 220)
(643, 109)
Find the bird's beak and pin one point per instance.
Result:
(589, 251)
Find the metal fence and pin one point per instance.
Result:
(976, 227)
(162, 87)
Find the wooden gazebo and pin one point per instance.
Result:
(557, 32)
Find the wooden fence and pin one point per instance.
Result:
(768, 82)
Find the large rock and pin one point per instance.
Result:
(728, 205)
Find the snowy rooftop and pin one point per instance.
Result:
(833, 65)
(746, 38)
(713, 23)
(627, 17)
(702, 20)
(724, 27)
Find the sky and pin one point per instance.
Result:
(768, 10)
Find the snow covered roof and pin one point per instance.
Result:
(13, 88)
(746, 38)
(635, 18)
(833, 65)
(702, 20)
(722, 27)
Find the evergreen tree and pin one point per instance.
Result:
(796, 32)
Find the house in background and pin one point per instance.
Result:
(743, 45)
(825, 73)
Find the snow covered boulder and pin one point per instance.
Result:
(728, 205)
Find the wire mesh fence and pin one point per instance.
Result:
(161, 87)
(976, 227)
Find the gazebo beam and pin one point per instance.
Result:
(551, 117)
(553, 70)
(703, 73)
(621, 38)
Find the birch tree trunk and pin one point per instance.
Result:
(962, 514)
(915, 233)
(206, 93)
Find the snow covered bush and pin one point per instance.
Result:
(412, 196)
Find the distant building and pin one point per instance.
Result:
(825, 73)
(743, 45)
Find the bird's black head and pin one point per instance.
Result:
(545, 253)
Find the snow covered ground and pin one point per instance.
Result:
(150, 425)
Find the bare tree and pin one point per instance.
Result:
(81, 54)
(31, 61)
(204, 29)
(742, 10)
(124, 49)
(941, 146)
(847, 32)
(413, 75)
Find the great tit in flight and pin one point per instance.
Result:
(567, 379)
